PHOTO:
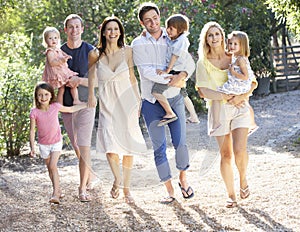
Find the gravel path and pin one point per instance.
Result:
(273, 176)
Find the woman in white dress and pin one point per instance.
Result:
(118, 133)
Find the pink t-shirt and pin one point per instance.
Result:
(47, 124)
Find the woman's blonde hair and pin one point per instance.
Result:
(46, 33)
(244, 42)
(204, 48)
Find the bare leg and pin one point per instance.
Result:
(191, 109)
(239, 137)
(170, 188)
(186, 190)
(253, 125)
(114, 163)
(51, 164)
(225, 147)
(60, 94)
(165, 105)
(84, 166)
(127, 167)
(74, 93)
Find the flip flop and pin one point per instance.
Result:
(188, 120)
(54, 200)
(165, 121)
(185, 192)
(244, 193)
(114, 192)
(129, 199)
(252, 130)
(231, 203)
(84, 197)
(167, 200)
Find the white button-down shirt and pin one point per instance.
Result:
(149, 55)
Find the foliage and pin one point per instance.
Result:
(21, 66)
(287, 12)
(17, 80)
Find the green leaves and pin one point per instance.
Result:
(17, 81)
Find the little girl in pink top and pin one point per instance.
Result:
(56, 71)
(45, 117)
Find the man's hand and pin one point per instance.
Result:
(178, 80)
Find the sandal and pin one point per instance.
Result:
(190, 120)
(244, 193)
(185, 192)
(231, 203)
(114, 192)
(167, 200)
(165, 121)
(252, 130)
(84, 197)
(54, 200)
(129, 199)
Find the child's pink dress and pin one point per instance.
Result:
(57, 75)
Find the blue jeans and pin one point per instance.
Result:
(152, 114)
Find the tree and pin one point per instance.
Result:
(287, 12)
(17, 80)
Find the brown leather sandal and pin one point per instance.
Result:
(115, 192)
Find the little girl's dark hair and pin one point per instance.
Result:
(45, 86)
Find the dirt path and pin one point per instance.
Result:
(273, 176)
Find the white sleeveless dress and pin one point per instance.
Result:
(118, 127)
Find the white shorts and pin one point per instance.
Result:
(45, 150)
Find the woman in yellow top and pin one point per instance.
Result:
(233, 110)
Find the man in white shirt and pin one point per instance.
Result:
(149, 54)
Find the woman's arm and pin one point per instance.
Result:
(212, 94)
(32, 137)
(75, 80)
(92, 101)
(239, 100)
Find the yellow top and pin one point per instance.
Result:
(209, 76)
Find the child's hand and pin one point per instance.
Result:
(231, 68)
(32, 154)
(143, 33)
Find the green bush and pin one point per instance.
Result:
(17, 80)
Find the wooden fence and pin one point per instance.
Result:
(286, 61)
